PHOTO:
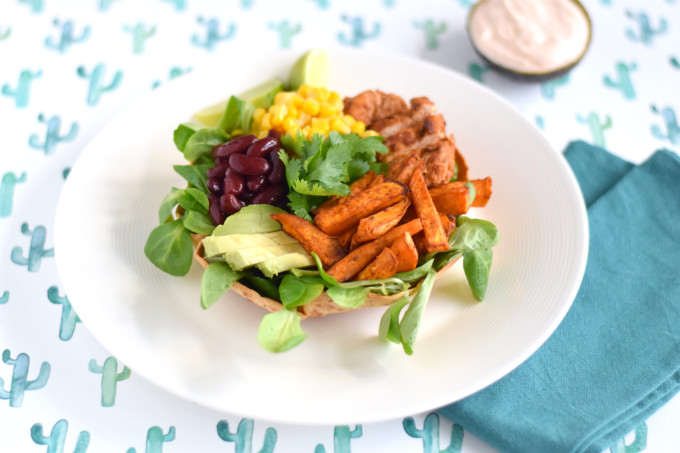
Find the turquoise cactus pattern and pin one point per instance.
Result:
(20, 383)
(675, 62)
(52, 137)
(140, 33)
(67, 36)
(596, 126)
(110, 378)
(97, 86)
(342, 439)
(638, 444)
(624, 83)
(670, 122)
(37, 6)
(57, 438)
(36, 249)
(155, 439)
(179, 5)
(540, 122)
(5, 33)
(105, 5)
(476, 71)
(211, 35)
(430, 434)
(175, 72)
(549, 87)
(286, 32)
(357, 34)
(7, 185)
(243, 437)
(22, 92)
(247, 4)
(466, 3)
(646, 32)
(389, 3)
(69, 318)
(66, 172)
(4, 298)
(432, 32)
(322, 4)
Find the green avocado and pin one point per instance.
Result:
(251, 219)
(243, 258)
(274, 266)
(219, 245)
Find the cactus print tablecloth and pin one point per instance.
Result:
(67, 67)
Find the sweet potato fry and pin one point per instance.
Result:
(482, 190)
(342, 217)
(356, 187)
(451, 198)
(358, 258)
(462, 166)
(381, 222)
(405, 171)
(383, 266)
(435, 239)
(448, 224)
(311, 238)
(405, 251)
(345, 239)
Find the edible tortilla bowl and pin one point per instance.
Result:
(321, 306)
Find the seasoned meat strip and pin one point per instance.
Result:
(420, 108)
(374, 104)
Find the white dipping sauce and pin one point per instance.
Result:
(530, 36)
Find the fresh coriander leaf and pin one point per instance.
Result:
(281, 330)
(217, 279)
(201, 144)
(408, 327)
(477, 266)
(168, 204)
(195, 175)
(169, 248)
(198, 222)
(237, 115)
(348, 297)
(193, 199)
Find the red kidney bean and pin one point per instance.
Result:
(230, 204)
(274, 133)
(249, 165)
(237, 145)
(262, 147)
(214, 210)
(233, 182)
(255, 183)
(270, 194)
(246, 196)
(216, 185)
(218, 170)
(278, 169)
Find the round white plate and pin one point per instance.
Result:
(341, 374)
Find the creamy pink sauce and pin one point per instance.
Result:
(532, 36)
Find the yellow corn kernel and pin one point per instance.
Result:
(338, 125)
(349, 120)
(297, 100)
(289, 124)
(303, 90)
(333, 97)
(284, 97)
(278, 114)
(322, 94)
(327, 110)
(265, 122)
(311, 107)
(257, 115)
(322, 124)
(262, 134)
(369, 133)
(293, 112)
(313, 131)
(304, 118)
(358, 127)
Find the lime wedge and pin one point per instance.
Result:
(310, 69)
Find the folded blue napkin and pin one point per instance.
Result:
(615, 358)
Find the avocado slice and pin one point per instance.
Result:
(251, 219)
(243, 258)
(274, 266)
(219, 245)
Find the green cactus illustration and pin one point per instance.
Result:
(646, 32)
(286, 32)
(97, 85)
(342, 439)
(179, 5)
(548, 88)
(66, 172)
(155, 440)
(432, 32)
(211, 34)
(596, 126)
(22, 92)
(624, 84)
(430, 434)
(639, 443)
(175, 72)
(247, 4)
(476, 71)
(675, 62)
(52, 137)
(36, 5)
(7, 185)
(243, 437)
(357, 34)
(69, 318)
(57, 438)
(322, 4)
(139, 36)
(540, 122)
(670, 121)
(20, 383)
(5, 34)
(67, 36)
(110, 378)
(36, 249)
(105, 5)
(4, 298)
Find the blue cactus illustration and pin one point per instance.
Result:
(389, 3)
(432, 32)
(357, 34)
(110, 378)
(476, 71)
(243, 437)
(675, 62)
(36, 249)
(466, 3)
(52, 137)
(211, 35)
(549, 87)
(69, 318)
(97, 85)
(175, 72)
(540, 122)
(66, 172)
(646, 32)
(342, 439)
(670, 122)
(179, 5)
(322, 4)
(67, 36)
(140, 33)
(596, 126)
(36, 5)
(430, 434)
(6, 33)
(286, 32)
(638, 444)
(57, 438)
(22, 92)
(155, 440)
(20, 383)
(624, 84)
(105, 5)
(4, 298)
(247, 4)
(7, 186)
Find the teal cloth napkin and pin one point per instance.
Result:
(615, 358)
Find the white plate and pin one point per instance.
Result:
(341, 374)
